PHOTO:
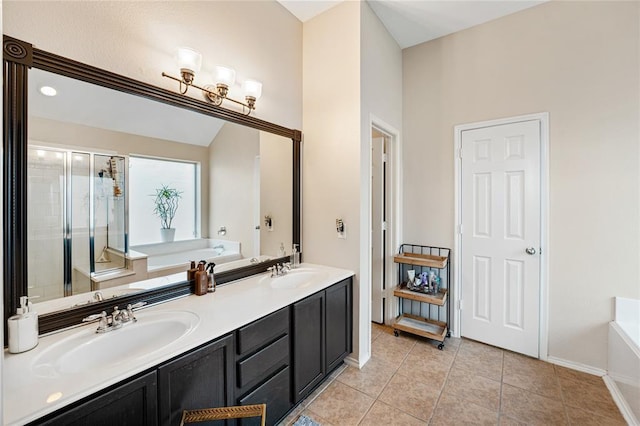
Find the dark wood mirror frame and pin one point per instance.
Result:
(18, 58)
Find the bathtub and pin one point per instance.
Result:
(170, 258)
(623, 369)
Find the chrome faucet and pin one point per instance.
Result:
(98, 297)
(279, 269)
(116, 320)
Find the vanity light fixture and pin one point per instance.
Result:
(190, 62)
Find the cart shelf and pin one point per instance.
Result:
(434, 299)
(436, 330)
(418, 259)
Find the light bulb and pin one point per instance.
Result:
(252, 88)
(189, 62)
(225, 76)
(48, 91)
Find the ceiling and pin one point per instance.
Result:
(95, 106)
(412, 22)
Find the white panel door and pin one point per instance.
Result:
(377, 229)
(501, 236)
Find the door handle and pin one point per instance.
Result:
(530, 250)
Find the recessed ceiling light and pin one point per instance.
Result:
(48, 91)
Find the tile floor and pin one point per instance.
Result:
(408, 381)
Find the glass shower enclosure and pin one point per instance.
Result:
(77, 219)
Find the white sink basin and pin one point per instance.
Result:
(87, 350)
(296, 278)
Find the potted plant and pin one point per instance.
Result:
(166, 204)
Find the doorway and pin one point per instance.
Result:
(501, 188)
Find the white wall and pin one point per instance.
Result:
(381, 102)
(232, 170)
(276, 187)
(580, 62)
(332, 137)
(260, 39)
(350, 74)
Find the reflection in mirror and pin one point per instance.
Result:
(97, 158)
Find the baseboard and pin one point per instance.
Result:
(622, 404)
(577, 366)
(357, 363)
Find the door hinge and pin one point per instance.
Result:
(460, 153)
(384, 226)
(459, 229)
(384, 158)
(460, 304)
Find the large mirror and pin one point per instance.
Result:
(96, 158)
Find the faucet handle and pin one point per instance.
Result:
(103, 326)
(273, 270)
(136, 305)
(95, 317)
(130, 316)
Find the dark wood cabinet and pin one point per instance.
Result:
(263, 365)
(308, 344)
(202, 378)
(276, 393)
(322, 335)
(277, 360)
(338, 323)
(130, 404)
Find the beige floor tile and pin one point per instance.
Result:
(468, 387)
(531, 408)
(568, 373)
(484, 364)
(371, 378)
(383, 414)
(430, 371)
(479, 348)
(578, 416)
(411, 396)
(516, 363)
(376, 330)
(542, 384)
(427, 347)
(392, 349)
(454, 411)
(341, 405)
(508, 421)
(592, 397)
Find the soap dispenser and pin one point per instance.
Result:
(201, 279)
(23, 328)
(295, 257)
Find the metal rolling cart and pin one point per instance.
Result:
(430, 316)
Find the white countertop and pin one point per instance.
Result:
(230, 307)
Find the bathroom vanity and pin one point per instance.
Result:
(258, 340)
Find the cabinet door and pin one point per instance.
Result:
(275, 393)
(308, 344)
(200, 379)
(338, 323)
(130, 404)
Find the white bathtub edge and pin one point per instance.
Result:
(620, 401)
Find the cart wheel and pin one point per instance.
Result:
(395, 333)
(448, 334)
(441, 346)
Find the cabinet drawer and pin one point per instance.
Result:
(259, 365)
(263, 331)
(275, 392)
